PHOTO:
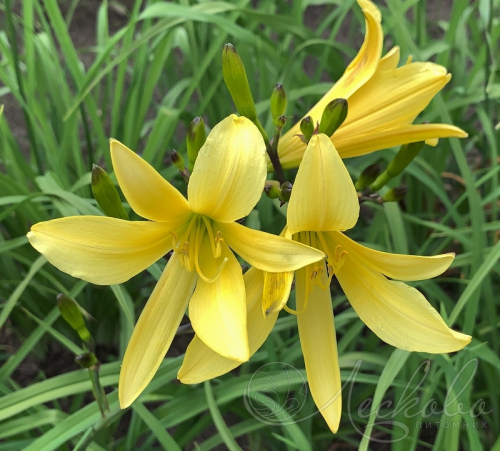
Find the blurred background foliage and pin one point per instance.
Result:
(75, 73)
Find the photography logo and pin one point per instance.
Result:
(275, 393)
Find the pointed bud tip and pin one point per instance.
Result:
(175, 156)
(97, 174)
(368, 176)
(229, 48)
(395, 194)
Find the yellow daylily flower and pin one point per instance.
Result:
(203, 272)
(383, 99)
(323, 204)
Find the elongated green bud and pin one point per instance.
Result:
(272, 189)
(72, 315)
(333, 116)
(106, 194)
(403, 158)
(278, 101)
(236, 81)
(285, 192)
(195, 138)
(368, 176)
(87, 360)
(395, 194)
(307, 128)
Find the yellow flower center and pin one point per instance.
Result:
(192, 241)
(332, 264)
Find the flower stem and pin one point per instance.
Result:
(98, 390)
(272, 151)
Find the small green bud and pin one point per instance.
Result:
(403, 158)
(333, 116)
(280, 122)
(272, 189)
(285, 192)
(368, 176)
(395, 194)
(106, 194)
(307, 128)
(236, 81)
(195, 138)
(87, 360)
(278, 101)
(72, 315)
(178, 160)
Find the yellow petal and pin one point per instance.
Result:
(101, 250)
(359, 71)
(399, 314)
(217, 309)
(266, 251)
(364, 144)
(392, 98)
(147, 192)
(390, 60)
(395, 266)
(277, 286)
(201, 363)
(319, 346)
(230, 171)
(323, 196)
(155, 330)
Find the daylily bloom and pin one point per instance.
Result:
(225, 185)
(322, 205)
(383, 99)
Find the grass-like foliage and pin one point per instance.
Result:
(143, 83)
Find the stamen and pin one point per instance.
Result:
(298, 312)
(174, 240)
(214, 278)
(185, 235)
(200, 232)
(214, 242)
(184, 256)
(218, 244)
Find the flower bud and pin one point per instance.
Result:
(368, 176)
(278, 101)
(403, 158)
(87, 360)
(333, 116)
(307, 128)
(195, 138)
(177, 160)
(272, 189)
(106, 194)
(236, 81)
(280, 122)
(72, 315)
(395, 194)
(285, 192)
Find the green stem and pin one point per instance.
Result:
(272, 151)
(98, 391)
